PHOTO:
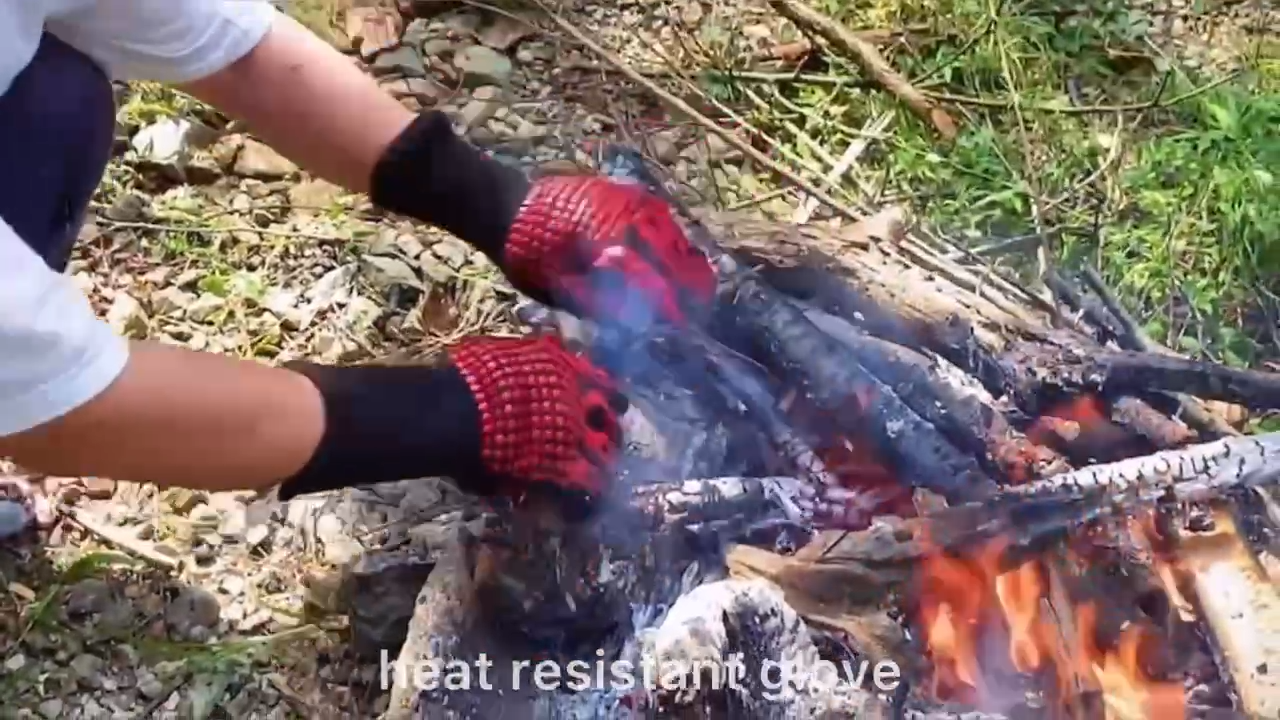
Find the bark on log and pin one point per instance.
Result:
(1040, 372)
(971, 424)
(1243, 612)
(787, 342)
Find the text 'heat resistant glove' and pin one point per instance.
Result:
(501, 416)
(595, 247)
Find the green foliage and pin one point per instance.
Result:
(1157, 167)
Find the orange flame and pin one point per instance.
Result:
(967, 601)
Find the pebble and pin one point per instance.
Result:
(149, 685)
(51, 708)
(88, 668)
(404, 61)
(257, 160)
(481, 66)
(193, 609)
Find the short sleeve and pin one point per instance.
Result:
(55, 353)
(170, 41)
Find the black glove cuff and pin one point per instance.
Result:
(386, 423)
(431, 174)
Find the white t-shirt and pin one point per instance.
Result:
(55, 353)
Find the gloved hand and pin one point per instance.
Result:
(598, 248)
(502, 416)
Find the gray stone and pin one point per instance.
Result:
(664, 148)
(484, 105)
(125, 314)
(437, 48)
(386, 272)
(404, 60)
(193, 609)
(150, 686)
(88, 669)
(260, 161)
(409, 245)
(235, 521)
(171, 300)
(88, 596)
(483, 66)
(256, 535)
(204, 307)
(51, 709)
(416, 33)
(461, 23)
(379, 592)
(454, 253)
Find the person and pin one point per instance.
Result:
(501, 415)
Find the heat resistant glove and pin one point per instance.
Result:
(501, 416)
(597, 248)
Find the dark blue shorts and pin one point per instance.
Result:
(57, 121)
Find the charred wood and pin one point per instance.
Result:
(971, 424)
(1039, 374)
(753, 317)
(1105, 327)
(1133, 337)
(783, 339)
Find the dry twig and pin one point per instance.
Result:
(810, 20)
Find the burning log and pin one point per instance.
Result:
(756, 318)
(1242, 609)
(970, 423)
(1039, 374)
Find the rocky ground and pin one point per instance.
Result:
(177, 604)
(139, 603)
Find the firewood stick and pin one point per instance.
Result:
(972, 425)
(866, 55)
(1133, 337)
(1090, 309)
(785, 338)
(1119, 373)
(1195, 472)
(1242, 609)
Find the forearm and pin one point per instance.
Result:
(310, 103)
(181, 418)
(177, 417)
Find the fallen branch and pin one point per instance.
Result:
(1041, 373)
(969, 423)
(866, 54)
(1133, 337)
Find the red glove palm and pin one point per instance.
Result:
(504, 415)
(546, 415)
(605, 250)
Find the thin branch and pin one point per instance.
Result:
(872, 62)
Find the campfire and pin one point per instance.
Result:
(872, 458)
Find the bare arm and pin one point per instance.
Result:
(177, 417)
(310, 103)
